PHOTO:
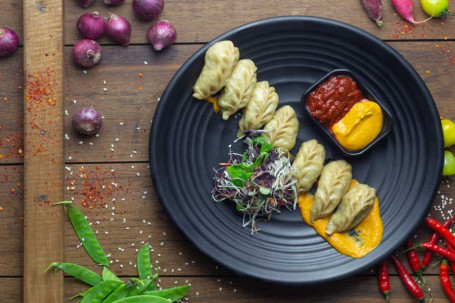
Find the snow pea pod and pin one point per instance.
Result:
(144, 266)
(99, 292)
(78, 272)
(85, 234)
(173, 294)
(119, 293)
(139, 287)
(109, 275)
(143, 299)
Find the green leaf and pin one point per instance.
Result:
(264, 190)
(239, 172)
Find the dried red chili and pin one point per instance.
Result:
(445, 280)
(407, 279)
(384, 280)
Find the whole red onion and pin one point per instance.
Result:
(91, 25)
(113, 2)
(87, 121)
(161, 34)
(119, 29)
(148, 9)
(87, 53)
(85, 3)
(9, 41)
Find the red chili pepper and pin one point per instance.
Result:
(433, 239)
(407, 279)
(445, 280)
(438, 249)
(414, 261)
(452, 250)
(384, 280)
(441, 230)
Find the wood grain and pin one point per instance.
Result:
(43, 148)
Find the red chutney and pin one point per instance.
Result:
(333, 99)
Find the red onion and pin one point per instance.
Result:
(87, 121)
(113, 2)
(119, 29)
(85, 3)
(161, 34)
(148, 9)
(9, 41)
(91, 25)
(87, 53)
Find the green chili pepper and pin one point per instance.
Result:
(119, 293)
(109, 275)
(85, 234)
(143, 299)
(144, 266)
(77, 271)
(173, 294)
(100, 291)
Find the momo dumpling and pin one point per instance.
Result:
(333, 183)
(238, 89)
(260, 108)
(219, 62)
(354, 207)
(282, 130)
(308, 164)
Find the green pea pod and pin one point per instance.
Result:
(85, 234)
(109, 275)
(144, 266)
(173, 294)
(143, 299)
(139, 287)
(77, 271)
(99, 292)
(119, 293)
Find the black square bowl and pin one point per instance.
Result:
(387, 117)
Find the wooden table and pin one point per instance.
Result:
(107, 176)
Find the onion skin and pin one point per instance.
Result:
(148, 9)
(161, 34)
(119, 30)
(91, 25)
(87, 121)
(9, 41)
(85, 3)
(86, 53)
(113, 2)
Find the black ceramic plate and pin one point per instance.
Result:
(188, 140)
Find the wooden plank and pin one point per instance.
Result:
(43, 137)
(201, 21)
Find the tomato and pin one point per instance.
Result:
(448, 129)
(449, 164)
(435, 8)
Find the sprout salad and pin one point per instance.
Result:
(260, 181)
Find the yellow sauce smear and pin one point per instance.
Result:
(356, 243)
(214, 100)
(361, 124)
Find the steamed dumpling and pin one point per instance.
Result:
(354, 207)
(333, 183)
(308, 164)
(260, 108)
(239, 87)
(283, 128)
(219, 62)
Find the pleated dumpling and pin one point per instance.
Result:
(308, 164)
(333, 183)
(238, 89)
(260, 108)
(219, 63)
(354, 207)
(283, 128)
